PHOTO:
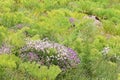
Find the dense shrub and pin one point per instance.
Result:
(47, 53)
(11, 67)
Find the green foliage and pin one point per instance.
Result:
(17, 39)
(8, 61)
(42, 73)
(3, 34)
(38, 19)
(11, 19)
(13, 68)
(101, 69)
(6, 5)
(28, 5)
(105, 70)
(111, 28)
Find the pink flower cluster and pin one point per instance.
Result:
(40, 49)
(5, 49)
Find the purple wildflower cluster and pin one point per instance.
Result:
(31, 56)
(72, 21)
(5, 49)
(40, 51)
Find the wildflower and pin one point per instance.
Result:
(32, 56)
(19, 26)
(105, 50)
(5, 49)
(73, 55)
(62, 53)
(72, 21)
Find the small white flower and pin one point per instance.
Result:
(105, 50)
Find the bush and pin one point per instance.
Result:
(11, 67)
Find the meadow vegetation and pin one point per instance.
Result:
(59, 40)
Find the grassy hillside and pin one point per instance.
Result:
(59, 40)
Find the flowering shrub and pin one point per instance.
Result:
(47, 52)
